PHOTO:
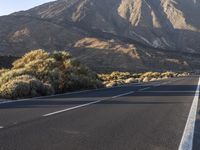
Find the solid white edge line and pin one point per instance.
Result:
(188, 134)
(84, 105)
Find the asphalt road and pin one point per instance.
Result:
(151, 116)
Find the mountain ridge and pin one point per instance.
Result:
(166, 26)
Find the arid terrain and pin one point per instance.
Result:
(125, 35)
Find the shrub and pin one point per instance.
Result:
(169, 74)
(151, 75)
(57, 72)
(120, 75)
(31, 56)
(115, 76)
(3, 71)
(118, 78)
(40, 73)
(25, 86)
(130, 80)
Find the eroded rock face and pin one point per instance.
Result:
(173, 24)
(111, 55)
(168, 24)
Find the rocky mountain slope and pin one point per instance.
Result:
(115, 34)
(107, 55)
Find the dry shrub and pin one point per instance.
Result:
(151, 75)
(59, 70)
(3, 71)
(31, 56)
(115, 76)
(25, 86)
(168, 74)
(119, 78)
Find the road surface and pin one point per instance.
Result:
(160, 115)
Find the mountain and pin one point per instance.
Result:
(133, 35)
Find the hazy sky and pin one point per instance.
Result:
(10, 6)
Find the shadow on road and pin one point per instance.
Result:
(133, 99)
(48, 103)
(164, 90)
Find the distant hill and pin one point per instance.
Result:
(132, 35)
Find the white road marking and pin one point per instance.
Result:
(188, 134)
(123, 94)
(13, 101)
(91, 103)
(1, 127)
(71, 108)
(84, 105)
(69, 93)
(160, 84)
(76, 92)
(144, 89)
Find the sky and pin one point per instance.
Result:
(10, 6)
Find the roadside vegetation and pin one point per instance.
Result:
(39, 73)
(120, 78)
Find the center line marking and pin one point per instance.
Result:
(123, 94)
(71, 108)
(91, 103)
(188, 134)
(84, 105)
(144, 89)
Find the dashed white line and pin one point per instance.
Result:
(79, 106)
(71, 108)
(123, 94)
(84, 105)
(13, 101)
(91, 103)
(188, 134)
(144, 89)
